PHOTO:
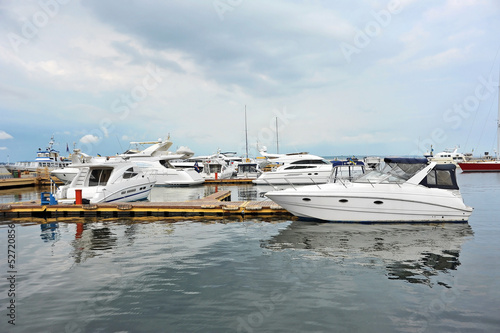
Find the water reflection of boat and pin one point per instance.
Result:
(412, 253)
(92, 240)
(50, 232)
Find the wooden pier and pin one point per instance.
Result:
(215, 205)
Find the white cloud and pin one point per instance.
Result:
(4, 135)
(446, 58)
(89, 138)
(3, 148)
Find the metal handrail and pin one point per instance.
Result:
(290, 184)
(271, 184)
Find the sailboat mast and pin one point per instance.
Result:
(498, 121)
(277, 138)
(246, 134)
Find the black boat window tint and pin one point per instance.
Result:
(295, 167)
(129, 173)
(431, 178)
(309, 162)
(99, 177)
(444, 178)
(441, 177)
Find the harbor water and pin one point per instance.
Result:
(252, 275)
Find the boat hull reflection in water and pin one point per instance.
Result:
(409, 252)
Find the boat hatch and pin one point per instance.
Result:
(442, 176)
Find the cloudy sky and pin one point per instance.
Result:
(339, 77)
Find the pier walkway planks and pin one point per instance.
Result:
(213, 205)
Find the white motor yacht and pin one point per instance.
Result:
(296, 169)
(215, 166)
(405, 190)
(49, 159)
(447, 156)
(109, 181)
(155, 157)
(248, 169)
(68, 172)
(167, 174)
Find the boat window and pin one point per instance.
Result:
(300, 167)
(443, 176)
(129, 173)
(392, 172)
(247, 168)
(99, 177)
(348, 172)
(166, 164)
(215, 167)
(310, 162)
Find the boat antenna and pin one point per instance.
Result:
(277, 139)
(121, 148)
(246, 134)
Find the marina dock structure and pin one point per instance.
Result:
(26, 182)
(46, 180)
(214, 205)
(20, 178)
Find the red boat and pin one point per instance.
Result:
(480, 166)
(488, 165)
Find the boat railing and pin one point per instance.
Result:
(315, 183)
(290, 183)
(268, 183)
(341, 182)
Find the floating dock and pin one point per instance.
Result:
(215, 205)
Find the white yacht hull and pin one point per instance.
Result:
(65, 175)
(174, 177)
(364, 203)
(100, 194)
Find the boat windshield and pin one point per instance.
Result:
(397, 173)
